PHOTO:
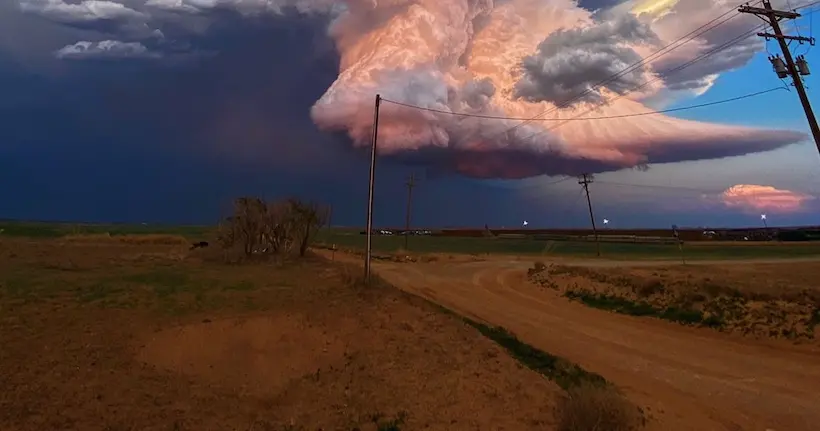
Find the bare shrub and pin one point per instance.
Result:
(536, 268)
(259, 228)
(588, 407)
(309, 218)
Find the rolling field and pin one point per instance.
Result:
(57, 230)
(280, 344)
(138, 332)
(350, 239)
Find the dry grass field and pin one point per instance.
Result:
(684, 377)
(773, 300)
(140, 333)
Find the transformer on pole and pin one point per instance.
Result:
(786, 66)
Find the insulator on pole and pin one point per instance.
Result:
(803, 66)
(779, 66)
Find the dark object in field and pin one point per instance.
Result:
(200, 244)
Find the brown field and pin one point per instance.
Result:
(686, 377)
(101, 334)
(783, 244)
(765, 300)
(688, 235)
(155, 239)
(143, 334)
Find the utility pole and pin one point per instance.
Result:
(790, 68)
(411, 182)
(370, 189)
(585, 180)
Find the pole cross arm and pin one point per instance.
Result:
(800, 39)
(767, 12)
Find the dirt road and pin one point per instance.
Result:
(686, 378)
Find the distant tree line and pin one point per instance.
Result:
(279, 228)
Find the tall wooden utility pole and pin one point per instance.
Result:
(585, 180)
(370, 190)
(411, 182)
(790, 68)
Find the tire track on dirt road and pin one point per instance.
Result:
(689, 378)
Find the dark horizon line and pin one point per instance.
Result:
(440, 228)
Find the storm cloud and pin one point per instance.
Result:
(110, 49)
(97, 15)
(571, 64)
(460, 57)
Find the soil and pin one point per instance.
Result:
(152, 337)
(687, 378)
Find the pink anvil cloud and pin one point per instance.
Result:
(757, 198)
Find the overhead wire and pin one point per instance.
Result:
(655, 186)
(662, 75)
(665, 74)
(563, 178)
(684, 39)
(639, 114)
(699, 31)
(807, 46)
(691, 36)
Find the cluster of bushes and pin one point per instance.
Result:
(799, 235)
(260, 228)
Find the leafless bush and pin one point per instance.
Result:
(588, 408)
(536, 268)
(259, 228)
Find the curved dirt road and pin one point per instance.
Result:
(686, 378)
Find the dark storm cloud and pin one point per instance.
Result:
(126, 141)
(578, 59)
(699, 74)
(239, 108)
(167, 141)
(598, 4)
(142, 141)
(107, 49)
(96, 15)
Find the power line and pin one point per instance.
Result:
(682, 40)
(795, 69)
(660, 52)
(660, 76)
(654, 186)
(585, 180)
(676, 69)
(371, 190)
(662, 111)
(411, 182)
(542, 185)
(647, 186)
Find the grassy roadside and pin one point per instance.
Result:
(620, 305)
(559, 370)
(565, 374)
(590, 402)
(767, 303)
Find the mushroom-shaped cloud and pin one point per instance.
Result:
(476, 57)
